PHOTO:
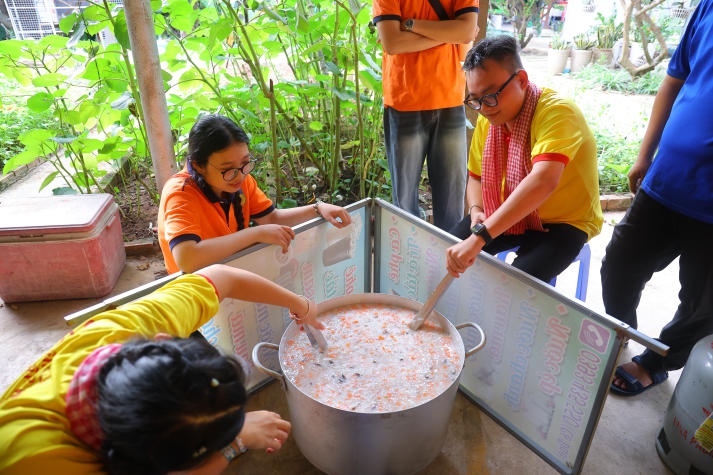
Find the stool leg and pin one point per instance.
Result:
(584, 257)
(503, 255)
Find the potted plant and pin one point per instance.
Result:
(582, 54)
(558, 54)
(497, 13)
(608, 33)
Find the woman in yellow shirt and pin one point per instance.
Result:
(128, 392)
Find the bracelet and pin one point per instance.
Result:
(294, 315)
(316, 208)
(241, 446)
(474, 206)
(229, 451)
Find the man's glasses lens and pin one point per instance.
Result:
(490, 100)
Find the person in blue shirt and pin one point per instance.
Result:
(672, 213)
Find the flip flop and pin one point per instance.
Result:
(633, 385)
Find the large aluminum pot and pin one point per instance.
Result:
(341, 442)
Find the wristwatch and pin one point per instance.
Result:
(408, 25)
(480, 230)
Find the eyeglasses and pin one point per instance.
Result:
(490, 100)
(231, 173)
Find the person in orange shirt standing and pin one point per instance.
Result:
(206, 209)
(424, 43)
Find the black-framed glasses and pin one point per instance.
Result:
(490, 100)
(231, 173)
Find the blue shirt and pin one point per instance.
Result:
(681, 175)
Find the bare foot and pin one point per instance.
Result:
(637, 371)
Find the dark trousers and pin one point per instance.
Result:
(646, 241)
(543, 255)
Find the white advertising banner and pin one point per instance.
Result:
(322, 262)
(544, 371)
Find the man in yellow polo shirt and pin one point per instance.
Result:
(532, 169)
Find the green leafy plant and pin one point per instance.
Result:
(558, 42)
(617, 141)
(84, 88)
(303, 78)
(602, 77)
(15, 119)
(616, 154)
(584, 42)
(609, 31)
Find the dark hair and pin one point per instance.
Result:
(502, 49)
(212, 133)
(167, 405)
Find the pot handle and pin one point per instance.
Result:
(260, 366)
(463, 325)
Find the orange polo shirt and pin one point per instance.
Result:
(186, 211)
(424, 80)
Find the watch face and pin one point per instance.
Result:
(480, 230)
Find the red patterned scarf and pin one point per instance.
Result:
(82, 396)
(511, 159)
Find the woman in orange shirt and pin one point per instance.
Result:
(206, 208)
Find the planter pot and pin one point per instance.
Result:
(557, 60)
(603, 56)
(580, 59)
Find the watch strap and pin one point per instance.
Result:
(480, 230)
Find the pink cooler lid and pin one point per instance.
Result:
(52, 214)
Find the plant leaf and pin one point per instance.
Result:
(40, 102)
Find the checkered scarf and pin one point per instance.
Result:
(510, 158)
(82, 397)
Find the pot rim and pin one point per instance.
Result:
(382, 299)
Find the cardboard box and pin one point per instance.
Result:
(59, 247)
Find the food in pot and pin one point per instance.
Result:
(374, 362)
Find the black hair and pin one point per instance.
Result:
(502, 49)
(168, 405)
(212, 133)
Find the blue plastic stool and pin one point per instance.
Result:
(584, 256)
